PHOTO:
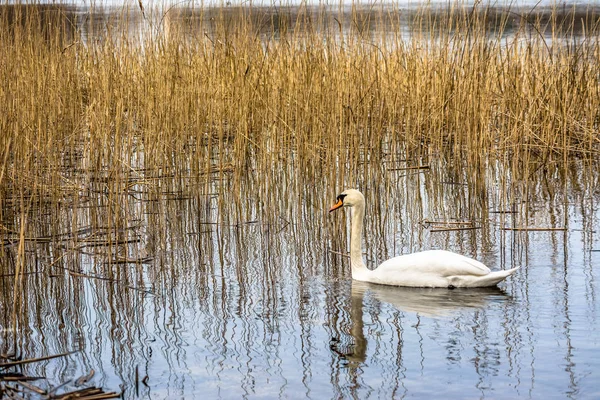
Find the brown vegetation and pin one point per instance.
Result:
(106, 118)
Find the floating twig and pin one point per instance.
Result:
(56, 388)
(143, 260)
(32, 360)
(23, 273)
(410, 168)
(91, 393)
(455, 183)
(105, 242)
(339, 253)
(31, 387)
(428, 222)
(464, 228)
(16, 376)
(446, 226)
(77, 274)
(84, 378)
(525, 229)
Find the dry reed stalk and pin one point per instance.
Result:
(217, 100)
(536, 229)
(33, 360)
(466, 228)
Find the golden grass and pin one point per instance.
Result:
(107, 107)
(216, 93)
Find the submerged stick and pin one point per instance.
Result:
(32, 360)
(17, 377)
(339, 253)
(447, 222)
(92, 393)
(84, 378)
(525, 229)
(466, 228)
(409, 168)
(31, 387)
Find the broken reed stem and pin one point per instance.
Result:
(339, 253)
(469, 228)
(32, 360)
(409, 168)
(428, 222)
(532, 229)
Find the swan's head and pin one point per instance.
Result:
(348, 198)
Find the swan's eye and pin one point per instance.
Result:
(341, 197)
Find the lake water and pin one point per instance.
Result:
(264, 307)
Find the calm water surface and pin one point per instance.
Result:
(253, 301)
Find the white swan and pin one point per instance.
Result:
(432, 268)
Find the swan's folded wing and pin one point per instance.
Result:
(437, 262)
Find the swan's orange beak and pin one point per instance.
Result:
(336, 205)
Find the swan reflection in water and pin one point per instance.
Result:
(429, 302)
(426, 302)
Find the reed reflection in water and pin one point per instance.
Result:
(227, 298)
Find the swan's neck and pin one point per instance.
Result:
(356, 260)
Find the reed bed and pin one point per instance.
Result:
(109, 107)
(202, 92)
(108, 117)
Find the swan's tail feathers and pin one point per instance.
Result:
(493, 278)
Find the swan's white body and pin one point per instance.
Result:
(433, 268)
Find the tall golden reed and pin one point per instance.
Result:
(106, 105)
